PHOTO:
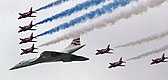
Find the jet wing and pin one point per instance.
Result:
(111, 64)
(98, 50)
(51, 53)
(78, 58)
(20, 14)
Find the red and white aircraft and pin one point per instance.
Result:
(29, 50)
(158, 60)
(27, 14)
(29, 39)
(25, 28)
(115, 64)
(103, 51)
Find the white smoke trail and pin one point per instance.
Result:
(155, 51)
(144, 40)
(129, 10)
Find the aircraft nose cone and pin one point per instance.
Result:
(19, 18)
(12, 68)
(17, 66)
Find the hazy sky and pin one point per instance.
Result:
(153, 21)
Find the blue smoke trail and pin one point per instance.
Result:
(55, 3)
(96, 13)
(68, 12)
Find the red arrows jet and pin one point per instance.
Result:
(25, 28)
(27, 14)
(115, 64)
(28, 50)
(158, 60)
(103, 51)
(29, 39)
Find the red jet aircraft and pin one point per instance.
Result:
(158, 60)
(28, 50)
(103, 51)
(29, 39)
(27, 14)
(115, 64)
(25, 28)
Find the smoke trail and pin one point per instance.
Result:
(96, 13)
(55, 3)
(68, 12)
(161, 49)
(122, 12)
(144, 40)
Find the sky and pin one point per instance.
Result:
(153, 21)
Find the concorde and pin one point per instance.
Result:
(53, 56)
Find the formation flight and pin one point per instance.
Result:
(53, 56)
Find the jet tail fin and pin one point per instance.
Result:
(108, 47)
(32, 35)
(31, 9)
(75, 42)
(31, 23)
(163, 56)
(34, 47)
(122, 60)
